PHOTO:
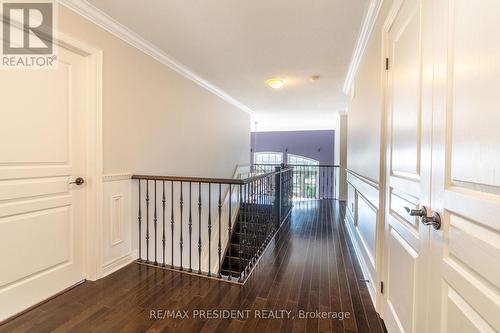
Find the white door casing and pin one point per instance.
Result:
(49, 135)
(407, 174)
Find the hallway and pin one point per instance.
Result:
(309, 266)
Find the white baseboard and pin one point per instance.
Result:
(371, 284)
(120, 262)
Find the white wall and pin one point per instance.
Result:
(365, 158)
(341, 154)
(155, 121)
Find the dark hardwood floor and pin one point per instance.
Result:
(310, 266)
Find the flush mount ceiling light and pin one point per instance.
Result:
(276, 83)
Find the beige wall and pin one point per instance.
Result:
(155, 121)
(365, 107)
(341, 154)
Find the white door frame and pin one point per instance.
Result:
(91, 237)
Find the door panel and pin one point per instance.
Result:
(406, 93)
(474, 93)
(41, 150)
(39, 137)
(404, 236)
(465, 171)
(402, 262)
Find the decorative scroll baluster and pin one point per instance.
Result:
(261, 215)
(247, 219)
(199, 228)
(155, 225)
(264, 210)
(219, 245)
(139, 220)
(181, 229)
(209, 229)
(251, 225)
(172, 222)
(163, 239)
(240, 228)
(190, 227)
(147, 221)
(229, 232)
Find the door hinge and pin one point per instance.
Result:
(386, 64)
(381, 287)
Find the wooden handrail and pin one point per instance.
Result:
(302, 165)
(227, 181)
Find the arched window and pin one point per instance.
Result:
(302, 160)
(268, 158)
(305, 177)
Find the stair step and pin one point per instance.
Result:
(251, 226)
(227, 272)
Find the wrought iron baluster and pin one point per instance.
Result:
(251, 224)
(303, 182)
(139, 220)
(240, 219)
(308, 181)
(190, 227)
(247, 220)
(209, 229)
(229, 244)
(324, 182)
(199, 228)
(147, 221)
(263, 210)
(219, 245)
(181, 228)
(327, 183)
(172, 221)
(163, 239)
(155, 225)
(334, 189)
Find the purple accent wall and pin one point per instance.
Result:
(305, 143)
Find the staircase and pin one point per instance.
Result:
(206, 207)
(254, 227)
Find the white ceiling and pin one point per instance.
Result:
(237, 44)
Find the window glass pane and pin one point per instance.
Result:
(268, 158)
(297, 159)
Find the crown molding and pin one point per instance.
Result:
(363, 37)
(106, 22)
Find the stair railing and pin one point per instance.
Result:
(187, 223)
(310, 182)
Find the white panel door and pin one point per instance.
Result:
(406, 239)
(41, 150)
(465, 280)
